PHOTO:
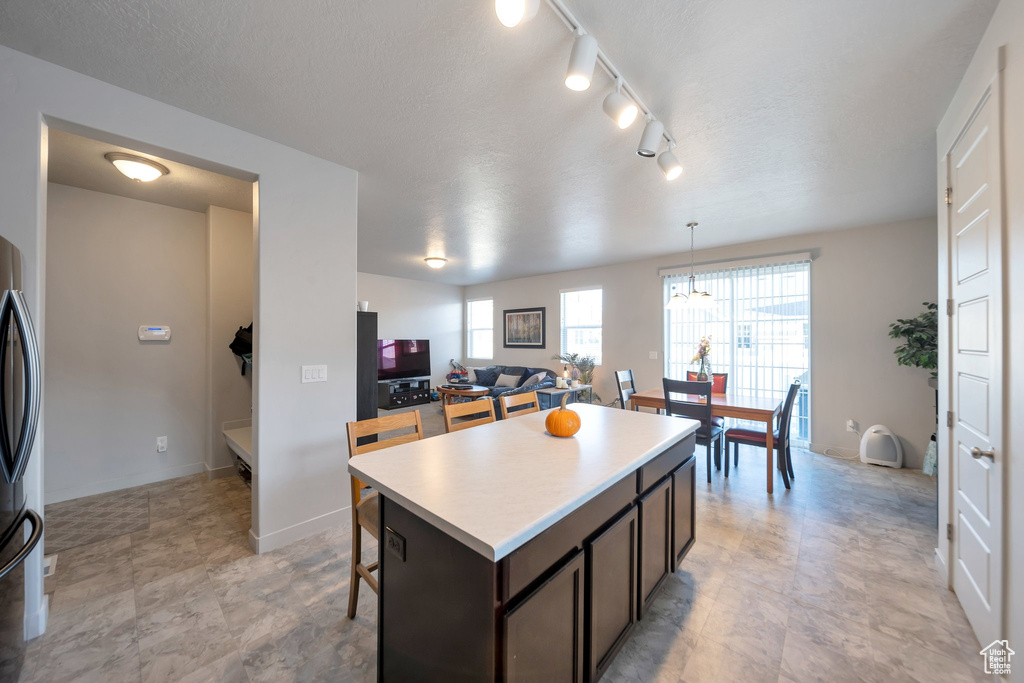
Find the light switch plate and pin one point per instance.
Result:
(314, 373)
(652, 355)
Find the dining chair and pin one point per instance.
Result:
(484, 408)
(623, 378)
(524, 404)
(719, 385)
(756, 437)
(708, 433)
(366, 510)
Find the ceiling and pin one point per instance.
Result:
(78, 161)
(791, 116)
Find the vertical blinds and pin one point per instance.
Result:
(759, 327)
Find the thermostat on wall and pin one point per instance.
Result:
(154, 333)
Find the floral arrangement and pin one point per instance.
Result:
(701, 356)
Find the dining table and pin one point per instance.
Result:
(730, 404)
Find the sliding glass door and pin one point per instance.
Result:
(759, 326)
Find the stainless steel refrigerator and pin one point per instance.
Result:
(20, 384)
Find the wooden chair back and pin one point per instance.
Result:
(484, 408)
(623, 378)
(518, 401)
(786, 416)
(374, 427)
(719, 381)
(678, 406)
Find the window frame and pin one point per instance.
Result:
(563, 337)
(470, 329)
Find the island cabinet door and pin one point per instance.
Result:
(655, 541)
(544, 633)
(611, 591)
(683, 527)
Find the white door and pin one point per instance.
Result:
(976, 375)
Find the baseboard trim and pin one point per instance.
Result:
(219, 472)
(820, 448)
(106, 486)
(296, 532)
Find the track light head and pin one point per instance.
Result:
(669, 165)
(511, 13)
(650, 140)
(620, 109)
(581, 63)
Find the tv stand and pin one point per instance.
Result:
(401, 393)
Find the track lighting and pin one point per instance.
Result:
(620, 109)
(581, 62)
(511, 13)
(650, 140)
(670, 166)
(436, 262)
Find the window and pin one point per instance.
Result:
(759, 329)
(581, 322)
(480, 328)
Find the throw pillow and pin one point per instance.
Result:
(486, 378)
(507, 381)
(527, 374)
(471, 377)
(536, 379)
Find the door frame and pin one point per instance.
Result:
(990, 90)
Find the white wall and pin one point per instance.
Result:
(229, 237)
(306, 269)
(861, 280)
(413, 309)
(1006, 28)
(115, 264)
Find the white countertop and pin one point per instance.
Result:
(497, 486)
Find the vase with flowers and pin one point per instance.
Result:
(701, 356)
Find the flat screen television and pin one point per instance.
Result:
(402, 358)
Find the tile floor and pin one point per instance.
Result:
(832, 580)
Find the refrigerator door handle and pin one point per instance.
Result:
(33, 382)
(7, 462)
(33, 518)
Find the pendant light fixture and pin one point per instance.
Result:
(511, 13)
(694, 299)
(581, 62)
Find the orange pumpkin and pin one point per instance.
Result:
(563, 422)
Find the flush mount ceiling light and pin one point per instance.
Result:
(623, 105)
(669, 165)
(581, 62)
(650, 140)
(694, 299)
(511, 13)
(620, 109)
(436, 262)
(137, 168)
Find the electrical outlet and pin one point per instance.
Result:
(161, 444)
(652, 355)
(852, 426)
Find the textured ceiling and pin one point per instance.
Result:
(78, 161)
(791, 116)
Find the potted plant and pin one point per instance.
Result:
(920, 347)
(582, 368)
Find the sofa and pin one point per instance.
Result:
(548, 381)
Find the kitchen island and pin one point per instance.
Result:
(510, 554)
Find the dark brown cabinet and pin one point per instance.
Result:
(544, 633)
(655, 511)
(611, 591)
(683, 529)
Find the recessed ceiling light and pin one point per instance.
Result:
(436, 261)
(621, 110)
(650, 140)
(670, 166)
(137, 168)
(511, 13)
(581, 63)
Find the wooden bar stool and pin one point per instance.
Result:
(484, 408)
(366, 511)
